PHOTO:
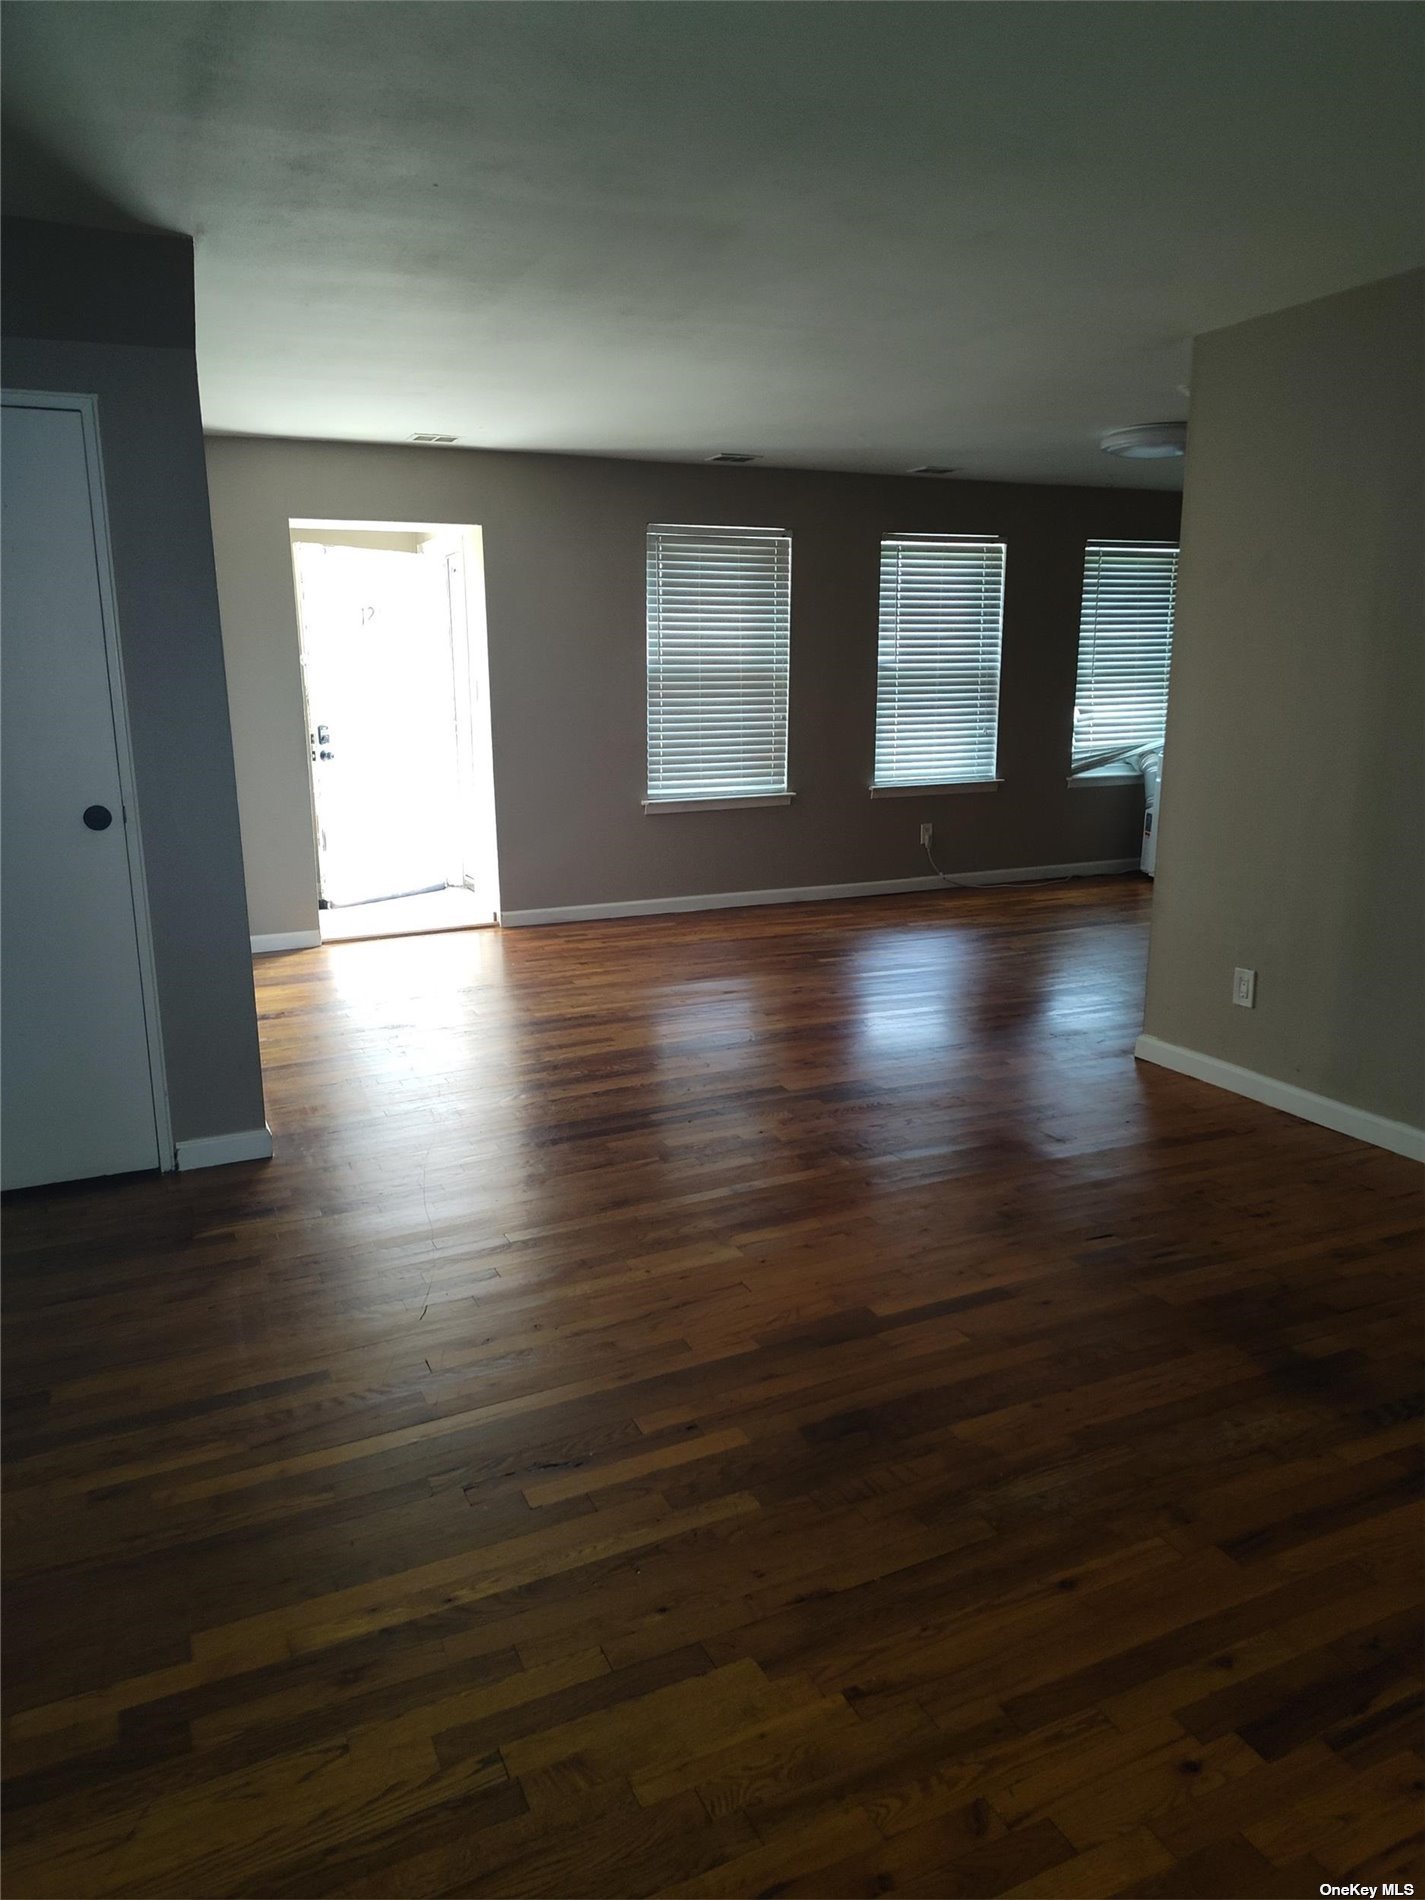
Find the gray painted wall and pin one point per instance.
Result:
(1293, 815)
(151, 439)
(564, 557)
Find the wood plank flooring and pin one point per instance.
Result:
(773, 1402)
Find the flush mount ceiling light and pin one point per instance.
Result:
(728, 458)
(1153, 442)
(435, 438)
(931, 468)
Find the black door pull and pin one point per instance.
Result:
(98, 817)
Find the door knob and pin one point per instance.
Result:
(98, 817)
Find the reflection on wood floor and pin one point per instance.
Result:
(772, 1401)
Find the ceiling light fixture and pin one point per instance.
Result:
(1153, 442)
(728, 458)
(931, 468)
(435, 438)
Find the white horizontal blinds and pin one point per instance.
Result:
(718, 612)
(1125, 645)
(937, 671)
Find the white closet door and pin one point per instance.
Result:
(76, 1091)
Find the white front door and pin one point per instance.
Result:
(378, 669)
(76, 1093)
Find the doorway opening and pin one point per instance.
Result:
(396, 687)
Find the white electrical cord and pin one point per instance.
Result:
(956, 883)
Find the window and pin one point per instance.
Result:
(937, 669)
(718, 613)
(1125, 644)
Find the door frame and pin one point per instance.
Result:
(87, 409)
(471, 687)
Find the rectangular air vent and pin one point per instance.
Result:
(729, 458)
(435, 438)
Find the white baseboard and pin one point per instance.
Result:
(286, 940)
(215, 1151)
(1360, 1123)
(808, 893)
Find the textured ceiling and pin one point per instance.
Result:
(856, 236)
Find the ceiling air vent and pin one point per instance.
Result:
(435, 438)
(732, 460)
(931, 468)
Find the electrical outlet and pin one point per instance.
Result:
(1244, 988)
(926, 832)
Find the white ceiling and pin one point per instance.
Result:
(862, 235)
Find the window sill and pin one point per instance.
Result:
(1107, 775)
(936, 791)
(652, 805)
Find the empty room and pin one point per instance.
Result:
(713, 1075)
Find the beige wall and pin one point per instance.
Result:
(564, 561)
(1293, 819)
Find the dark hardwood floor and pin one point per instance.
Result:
(772, 1402)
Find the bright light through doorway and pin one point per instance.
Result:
(394, 675)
